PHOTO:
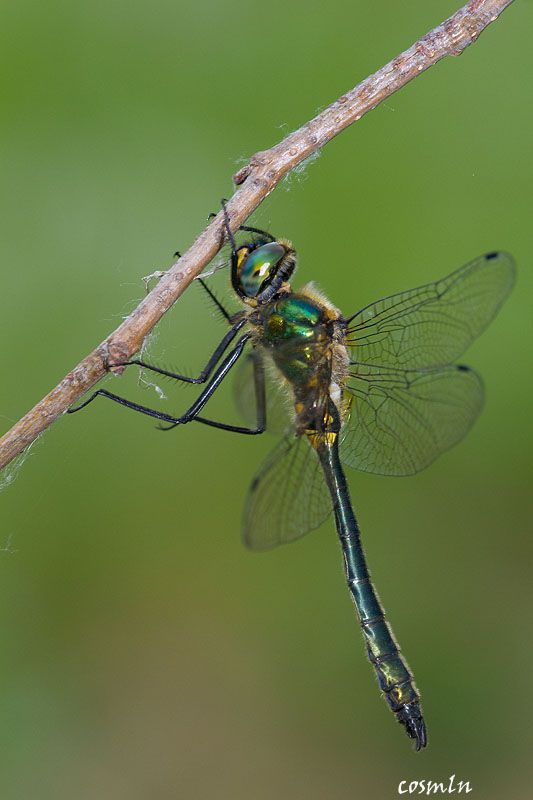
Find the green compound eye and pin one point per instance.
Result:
(257, 267)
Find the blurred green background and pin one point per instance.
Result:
(145, 653)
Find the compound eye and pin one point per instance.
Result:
(258, 266)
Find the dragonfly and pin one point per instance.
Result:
(378, 391)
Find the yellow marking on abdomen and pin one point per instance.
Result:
(316, 437)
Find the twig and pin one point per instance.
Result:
(255, 181)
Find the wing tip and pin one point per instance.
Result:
(502, 256)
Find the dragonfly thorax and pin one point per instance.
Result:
(303, 334)
(292, 317)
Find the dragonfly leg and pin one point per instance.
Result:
(260, 407)
(223, 426)
(260, 231)
(207, 370)
(194, 409)
(151, 412)
(229, 233)
(248, 228)
(215, 299)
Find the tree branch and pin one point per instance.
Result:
(255, 181)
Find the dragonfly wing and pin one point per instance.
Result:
(400, 421)
(433, 324)
(279, 413)
(288, 496)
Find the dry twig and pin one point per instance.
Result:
(254, 181)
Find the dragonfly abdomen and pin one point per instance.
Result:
(392, 672)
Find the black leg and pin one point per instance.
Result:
(151, 412)
(260, 231)
(248, 228)
(207, 370)
(229, 232)
(260, 407)
(215, 299)
(225, 427)
(231, 239)
(194, 410)
(215, 381)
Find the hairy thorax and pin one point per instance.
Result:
(303, 333)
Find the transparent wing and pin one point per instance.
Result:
(432, 325)
(400, 421)
(288, 496)
(279, 412)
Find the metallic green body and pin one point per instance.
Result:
(392, 672)
(383, 380)
(298, 332)
(294, 328)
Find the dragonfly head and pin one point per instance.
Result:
(260, 268)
